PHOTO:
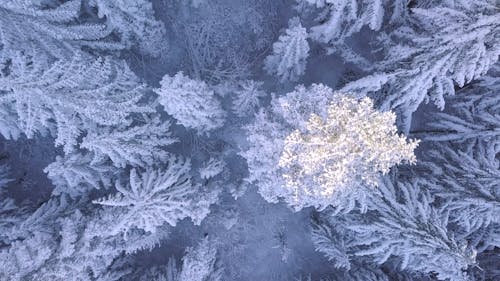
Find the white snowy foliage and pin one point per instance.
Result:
(468, 181)
(192, 102)
(350, 148)
(68, 98)
(223, 39)
(415, 232)
(66, 87)
(333, 243)
(456, 4)
(246, 97)
(442, 48)
(41, 32)
(59, 29)
(10, 215)
(340, 19)
(25, 256)
(200, 263)
(135, 21)
(472, 114)
(288, 60)
(212, 168)
(365, 272)
(57, 242)
(155, 197)
(361, 273)
(267, 133)
(131, 145)
(9, 127)
(75, 174)
(403, 226)
(270, 155)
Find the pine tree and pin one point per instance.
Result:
(155, 197)
(139, 145)
(442, 47)
(134, 21)
(467, 181)
(200, 263)
(335, 22)
(58, 242)
(43, 32)
(404, 227)
(246, 97)
(288, 60)
(191, 102)
(71, 97)
(341, 19)
(212, 168)
(76, 174)
(472, 115)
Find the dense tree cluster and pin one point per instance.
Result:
(209, 140)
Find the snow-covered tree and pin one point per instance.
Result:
(135, 22)
(351, 147)
(58, 242)
(155, 197)
(340, 19)
(221, 40)
(68, 98)
(139, 145)
(288, 60)
(337, 21)
(59, 29)
(76, 173)
(466, 179)
(9, 127)
(443, 47)
(25, 256)
(41, 31)
(471, 115)
(27, 243)
(246, 97)
(192, 102)
(266, 135)
(70, 86)
(317, 148)
(403, 227)
(212, 168)
(200, 263)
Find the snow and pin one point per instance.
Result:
(99, 97)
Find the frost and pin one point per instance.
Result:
(351, 147)
(288, 60)
(191, 102)
(156, 197)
